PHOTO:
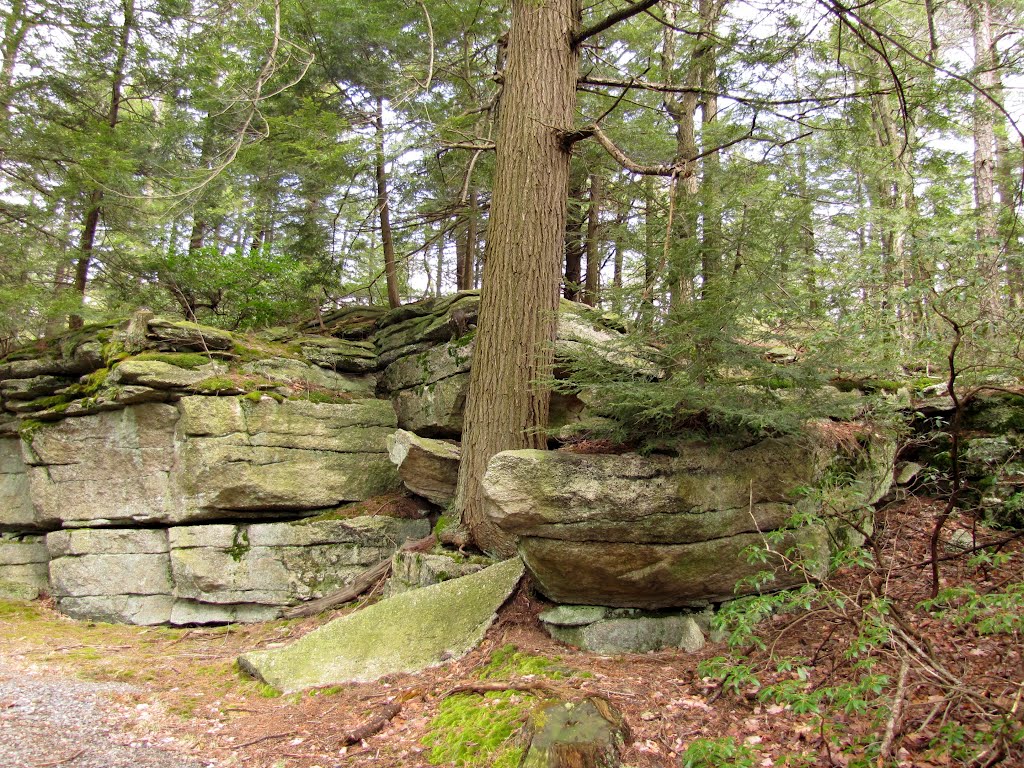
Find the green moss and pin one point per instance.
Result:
(50, 402)
(251, 397)
(216, 384)
(93, 382)
(507, 662)
(15, 609)
(28, 428)
(315, 396)
(331, 690)
(239, 544)
(263, 690)
(444, 522)
(471, 730)
(113, 352)
(186, 708)
(187, 360)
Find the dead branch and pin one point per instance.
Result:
(899, 700)
(68, 759)
(268, 737)
(363, 582)
(372, 726)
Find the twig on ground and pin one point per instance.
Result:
(63, 760)
(268, 737)
(892, 727)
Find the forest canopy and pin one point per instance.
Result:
(777, 173)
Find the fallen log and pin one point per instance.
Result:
(360, 584)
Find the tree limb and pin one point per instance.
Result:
(611, 20)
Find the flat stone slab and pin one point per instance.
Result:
(405, 633)
(621, 632)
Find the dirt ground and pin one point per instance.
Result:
(939, 676)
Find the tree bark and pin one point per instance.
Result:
(384, 213)
(507, 405)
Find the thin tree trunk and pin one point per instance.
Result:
(574, 240)
(683, 110)
(705, 61)
(16, 28)
(440, 263)
(94, 208)
(645, 312)
(984, 158)
(1006, 185)
(591, 287)
(384, 213)
(467, 249)
(507, 406)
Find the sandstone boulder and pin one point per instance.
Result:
(203, 458)
(660, 532)
(653, 576)
(428, 468)
(111, 575)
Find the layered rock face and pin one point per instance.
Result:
(160, 471)
(174, 467)
(213, 573)
(664, 532)
(143, 481)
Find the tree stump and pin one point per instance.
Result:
(575, 734)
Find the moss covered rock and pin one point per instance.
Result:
(405, 633)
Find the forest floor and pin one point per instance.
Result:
(867, 676)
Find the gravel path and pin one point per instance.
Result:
(53, 722)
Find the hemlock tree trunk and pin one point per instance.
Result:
(384, 212)
(507, 406)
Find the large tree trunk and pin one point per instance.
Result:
(507, 407)
(384, 213)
